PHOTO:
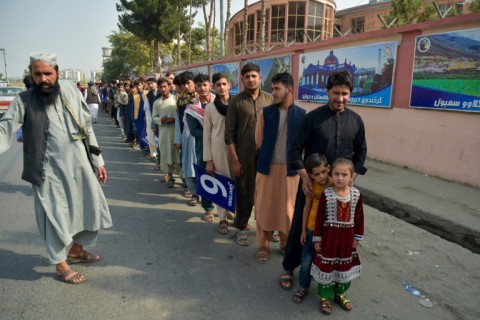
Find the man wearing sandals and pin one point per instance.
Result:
(70, 206)
(215, 152)
(277, 127)
(240, 123)
(194, 119)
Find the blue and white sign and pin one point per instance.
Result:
(218, 189)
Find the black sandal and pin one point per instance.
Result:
(299, 295)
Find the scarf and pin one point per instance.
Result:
(221, 108)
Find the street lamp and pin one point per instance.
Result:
(5, 61)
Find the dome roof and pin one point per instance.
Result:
(331, 59)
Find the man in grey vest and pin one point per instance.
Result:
(70, 206)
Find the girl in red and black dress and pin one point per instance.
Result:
(338, 228)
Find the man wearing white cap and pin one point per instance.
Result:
(70, 206)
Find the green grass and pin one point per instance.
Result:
(463, 86)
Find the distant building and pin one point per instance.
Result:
(290, 21)
(95, 75)
(71, 74)
(286, 22)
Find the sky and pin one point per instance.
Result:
(75, 31)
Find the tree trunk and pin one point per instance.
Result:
(178, 35)
(156, 55)
(262, 26)
(190, 35)
(208, 26)
(225, 32)
(245, 27)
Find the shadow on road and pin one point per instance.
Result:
(16, 266)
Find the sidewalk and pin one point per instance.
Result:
(447, 209)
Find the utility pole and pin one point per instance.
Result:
(5, 61)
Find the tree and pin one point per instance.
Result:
(130, 56)
(245, 27)
(227, 20)
(409, 12)
(474, 6)
(262, 25)
(152, 21)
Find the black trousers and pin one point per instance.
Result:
(293, 252)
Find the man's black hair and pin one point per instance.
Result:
(169, 73)
(176, 80)
(201, 78)
(219, 75)
(284, 77)
(248, 67)
(340, 78)
(162, 80)
(186, 76)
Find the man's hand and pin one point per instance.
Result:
(237, 169)
(210, 168)
(307, 187)
(102, 174)
(177, 146)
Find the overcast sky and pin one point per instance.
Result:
(75, 30)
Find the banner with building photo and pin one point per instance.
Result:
(446, 71)
(271, 66)
(232, 71)
(197, 70)
(371, 66)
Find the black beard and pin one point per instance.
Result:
(46, 95)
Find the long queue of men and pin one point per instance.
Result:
(260, 139)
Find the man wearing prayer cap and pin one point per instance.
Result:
(70, 206)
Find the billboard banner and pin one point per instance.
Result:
(371, 66)
(446, 71)
(271, 66)
(233, 73)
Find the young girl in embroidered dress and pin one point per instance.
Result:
(338, 228)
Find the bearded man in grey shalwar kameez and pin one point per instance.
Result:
(70, 206)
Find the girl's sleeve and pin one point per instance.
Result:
(320, 219)
(359, 222)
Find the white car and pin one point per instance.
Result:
(6, 96)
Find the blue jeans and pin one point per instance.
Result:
(304, 276)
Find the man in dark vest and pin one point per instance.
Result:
(70, 206)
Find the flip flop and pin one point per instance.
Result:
(70, 280)
(286, 280)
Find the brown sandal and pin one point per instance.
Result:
(286, 280)
(262, 255)
(223, 227)
(299, 295)
(342, 300)
(69, 276)
(326, 306)
(208, 216)
(193, 201)
(85, 257)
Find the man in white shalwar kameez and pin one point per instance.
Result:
(70, 206)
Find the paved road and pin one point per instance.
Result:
(161, 261)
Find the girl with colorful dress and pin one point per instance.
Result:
(338, 228)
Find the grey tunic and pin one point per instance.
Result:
(70, 200)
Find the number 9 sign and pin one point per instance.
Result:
(218, 189)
